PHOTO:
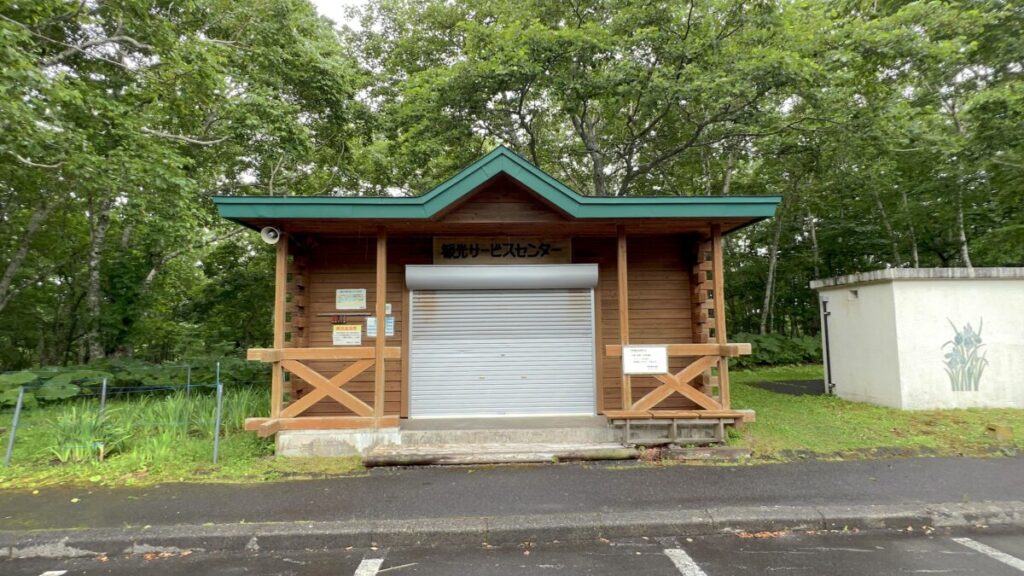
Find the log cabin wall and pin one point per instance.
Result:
(659, 290)
(659, 306)
(350, 263)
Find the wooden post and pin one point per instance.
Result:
(623, 273)
(280, 297)
(718, 277)
(381, 301)
(403, 410)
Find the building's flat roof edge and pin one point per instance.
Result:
(891, 274)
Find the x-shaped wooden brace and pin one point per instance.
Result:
(681, 383)
(324, 387)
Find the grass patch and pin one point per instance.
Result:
(827, 425)
(149, 440)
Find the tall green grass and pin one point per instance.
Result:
(149, 429)
(80, 433)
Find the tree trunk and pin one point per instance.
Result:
(587, 132)
(915, 258)
(898, 259)
(729, 168)
(97, 240)
(769, 286)
(965, 253)
(24, 243)
(815, 251)
(705, 171)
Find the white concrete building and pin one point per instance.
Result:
(925, 338)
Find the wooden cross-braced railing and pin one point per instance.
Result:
(705, 357)
(293, 360)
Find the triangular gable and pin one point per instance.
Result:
(502, 199)
(501, 160)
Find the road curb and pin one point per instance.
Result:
(497, 530)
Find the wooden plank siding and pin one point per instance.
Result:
(503, 200)
(659, 305)
(660, 290)
(351, 263)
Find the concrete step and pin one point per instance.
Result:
(508, 436)
(495, 453)
(528, 430)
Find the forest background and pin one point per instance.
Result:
(893, 130)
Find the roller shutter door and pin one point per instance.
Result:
(501, 352)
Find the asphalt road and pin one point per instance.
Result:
(435, 492)
(833, 554)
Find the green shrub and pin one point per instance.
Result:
(777, 350)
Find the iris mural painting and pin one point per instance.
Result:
(965, 361)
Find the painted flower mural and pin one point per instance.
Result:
(965, 362)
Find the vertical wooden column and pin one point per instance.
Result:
(381, 301)
(718, 277)
(280, 302)
(623, 274)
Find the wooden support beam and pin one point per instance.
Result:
(709, 349)
(403, 409)
(627, 414)
(381, 300)
(718, 273)
(321, 423)
(623, 280)
(680, 383)
(269, 428)
(280, 302)
(339, 353)
(325, 387)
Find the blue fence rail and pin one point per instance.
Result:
(103, 391)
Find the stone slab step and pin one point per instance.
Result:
(476, 437)
(494, 453)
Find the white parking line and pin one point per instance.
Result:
(683, 562)
(369, 567)
(54, 573)
(991, 553)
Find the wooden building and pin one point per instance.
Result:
(501, 292)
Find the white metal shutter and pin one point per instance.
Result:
(501, 352)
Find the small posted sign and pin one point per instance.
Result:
(350, 299)
(347, 334)
(638, 360)
(371, 326)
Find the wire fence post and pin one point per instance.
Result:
(103, 397)
(216, 426)
(188, 380)
(14, 426)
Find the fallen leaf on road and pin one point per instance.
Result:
(763, 535)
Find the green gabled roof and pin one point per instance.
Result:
(500, 160)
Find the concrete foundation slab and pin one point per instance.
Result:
(481, 431)
(334, 442)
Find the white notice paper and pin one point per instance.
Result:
(350, 299)
(347, 335)
(645, 360)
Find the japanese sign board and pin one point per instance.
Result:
(350, 299)
(347, 334)
(371, 326)
(502, 250)
(644, 360)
